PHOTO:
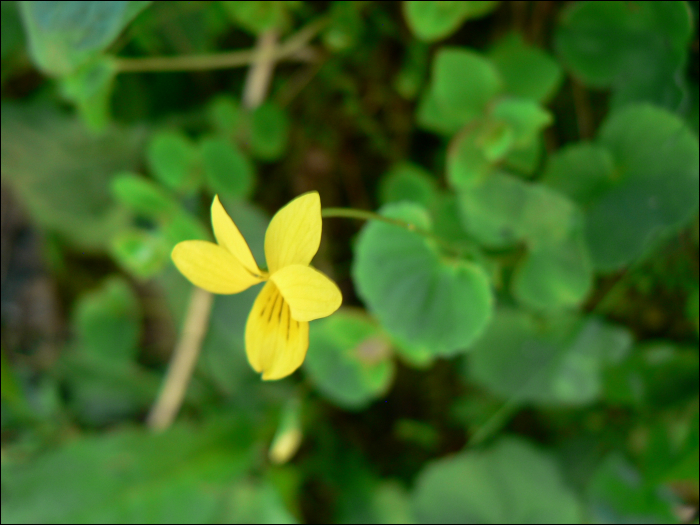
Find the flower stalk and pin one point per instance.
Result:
(365, 215)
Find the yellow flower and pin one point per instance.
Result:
(277, 331)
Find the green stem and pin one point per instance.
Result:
(364, 215)
(501, 417)
(289, 47)
(494, 423)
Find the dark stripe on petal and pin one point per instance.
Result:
(289, 321)
(267, 303)
(272, 310)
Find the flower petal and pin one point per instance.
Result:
(294, 233)
(309, 293)
(211, 267)
(275, 343)
(228, 236)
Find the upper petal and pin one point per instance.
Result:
(309, 293)
(228, 236)
(294, 233)
(275, 343)
(211, 267)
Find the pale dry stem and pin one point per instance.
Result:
(183, 361)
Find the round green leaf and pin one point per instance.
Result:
(503, 210)
(435, 20)
(65, 35)
(269, 131)
(133, 475)
(228, 171)
(446, 220)
(143, 196)
(583, 171)
(433, 117)
(558, 361)
(491, 211)
(224, 115)
(464, 82)
(601, 41)
(638, 48)
(415, 355)
(617, 493)
(527, 72)
(107, 321)
(473, 153)
(418, 296)
(656, 187)
(408, 182)
(391, 503)
(414, 70)
(258, 16)
(255, 502)
(140, 253)
(348, 360)
(504, 484)
(66, 191)
(556, 275)
(525, 117)
(171, 158)
(525, 160)
(345, 26)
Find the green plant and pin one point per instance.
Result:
(510, 209)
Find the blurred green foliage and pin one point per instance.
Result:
(518, 343)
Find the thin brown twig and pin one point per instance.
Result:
(292, 48)
(182, 364)
(259, 76)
